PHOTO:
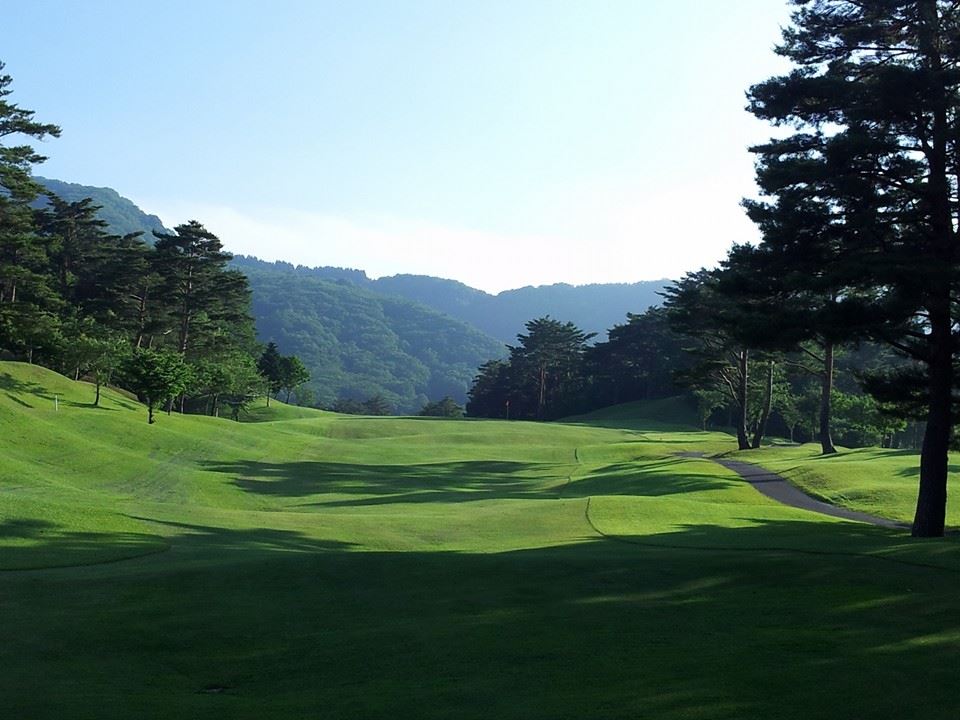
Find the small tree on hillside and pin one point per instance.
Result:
(155, 375)
(270, 366)
(102, 357)
(293, 374)
(447, 408)
(377, 405)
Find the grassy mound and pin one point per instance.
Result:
(318, 564)
(674, 413)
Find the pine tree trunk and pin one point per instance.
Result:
(541, 399)
(931, 512)
(743, 441)
(826, 392)
(150, 419)
(141, 317)
(765, 412)
(96, 400)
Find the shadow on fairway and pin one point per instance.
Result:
(31, 543)
(459, 481)
(246, 540)
(914, 471)
(11, 385)
(742, 629)
(668, 476)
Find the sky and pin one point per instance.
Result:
(499, 143)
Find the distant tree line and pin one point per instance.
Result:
(168, 319)
(656, 355)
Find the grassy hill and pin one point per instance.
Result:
(674, 413)
(316, 564)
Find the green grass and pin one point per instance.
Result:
(315, 565)
(874, 480)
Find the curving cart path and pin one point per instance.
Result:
(776, 487)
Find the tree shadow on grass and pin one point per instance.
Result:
(914, 471)
(253, 539)
(12, 385)
(456, 482)
(650, 479)
(29, 543)
(19, 401)
(430, 482)
(699, 621)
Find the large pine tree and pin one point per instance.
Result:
(875, 103)
(26, 292)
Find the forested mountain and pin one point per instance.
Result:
(121, 215)
(593, 308)
(358, 344)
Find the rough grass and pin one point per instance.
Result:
(318, 565)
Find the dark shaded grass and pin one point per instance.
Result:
(281, 625)
(455, 482)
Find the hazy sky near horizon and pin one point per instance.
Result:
(498, 143)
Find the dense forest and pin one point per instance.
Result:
(554, 371)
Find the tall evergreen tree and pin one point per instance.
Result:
(548, 362)
(875, 97)
(26, 295)
(638, 361)
(270, 366)
(195, 280)
(489, 395)
(712, 323)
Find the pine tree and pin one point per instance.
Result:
(26, 295)
(875, 99)
(548, 361)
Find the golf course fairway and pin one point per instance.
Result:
(318, 565)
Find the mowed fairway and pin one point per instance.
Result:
(317, 565)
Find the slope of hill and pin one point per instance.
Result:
(358, 343)
(121, 215)
(593, 308)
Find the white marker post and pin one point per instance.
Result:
(56, 403)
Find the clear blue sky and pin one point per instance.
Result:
(498, 143)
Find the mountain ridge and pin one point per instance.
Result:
(410, 338)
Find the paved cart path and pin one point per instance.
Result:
(778, 488)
